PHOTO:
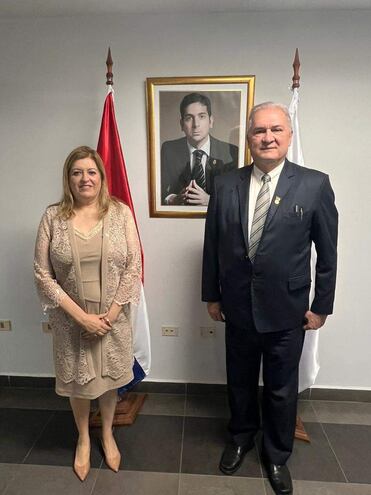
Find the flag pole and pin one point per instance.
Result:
(296, 66)
(300, 432)
(109, 64)
(130, 403)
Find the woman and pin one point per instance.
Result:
(88, 271)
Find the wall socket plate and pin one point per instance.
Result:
(5, 325)
(207, 331)
(168, 331)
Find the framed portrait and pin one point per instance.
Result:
(196, 131)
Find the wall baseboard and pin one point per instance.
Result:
(27, 381)
(330, 394)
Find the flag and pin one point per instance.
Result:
(309, 362)
(109, 149)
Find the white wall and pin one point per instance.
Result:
(51, 96)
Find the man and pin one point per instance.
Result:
(260, 225)
(189, 164)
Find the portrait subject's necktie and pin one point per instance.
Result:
(198, 171)
(260, 214)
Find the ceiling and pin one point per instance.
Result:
(51, 8)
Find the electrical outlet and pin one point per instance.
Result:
(170, 331)
(46, 327)
(207, 331)
(5, 325)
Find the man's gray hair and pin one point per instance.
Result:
(268, 104)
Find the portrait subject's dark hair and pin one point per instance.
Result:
(194, 98)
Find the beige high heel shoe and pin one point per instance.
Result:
(112, 462)
(81, 470)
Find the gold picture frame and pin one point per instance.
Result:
(227, 102)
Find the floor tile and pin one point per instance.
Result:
(306, 411)
(193, 484)
(323, 488)
(355, 413)
(7, 473)
(164, 404)
(314, 461)
(50, 480)
(28, 398)
(19, 429)
(210, 406)
(136, 483)
(352, 446)
(56, 446)
(203, 444)
(152, 443)
(206, 388)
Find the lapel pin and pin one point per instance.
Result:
(277, 200)
(214, 162)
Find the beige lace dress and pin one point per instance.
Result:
(94, 272)
(89, 251)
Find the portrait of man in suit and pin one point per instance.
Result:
(190, 164)
(260, 226)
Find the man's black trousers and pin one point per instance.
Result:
(280, 353)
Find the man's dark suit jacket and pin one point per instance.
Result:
(176, 170)
(277, 285)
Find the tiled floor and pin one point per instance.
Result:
(174, 449)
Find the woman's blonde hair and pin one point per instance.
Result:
(66, 205)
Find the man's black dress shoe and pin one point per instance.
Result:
(280, 478)
(233, 456)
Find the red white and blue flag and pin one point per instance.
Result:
(109, 149)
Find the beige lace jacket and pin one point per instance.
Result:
(57, 273)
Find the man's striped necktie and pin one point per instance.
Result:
(260, 214)
(198, 171)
